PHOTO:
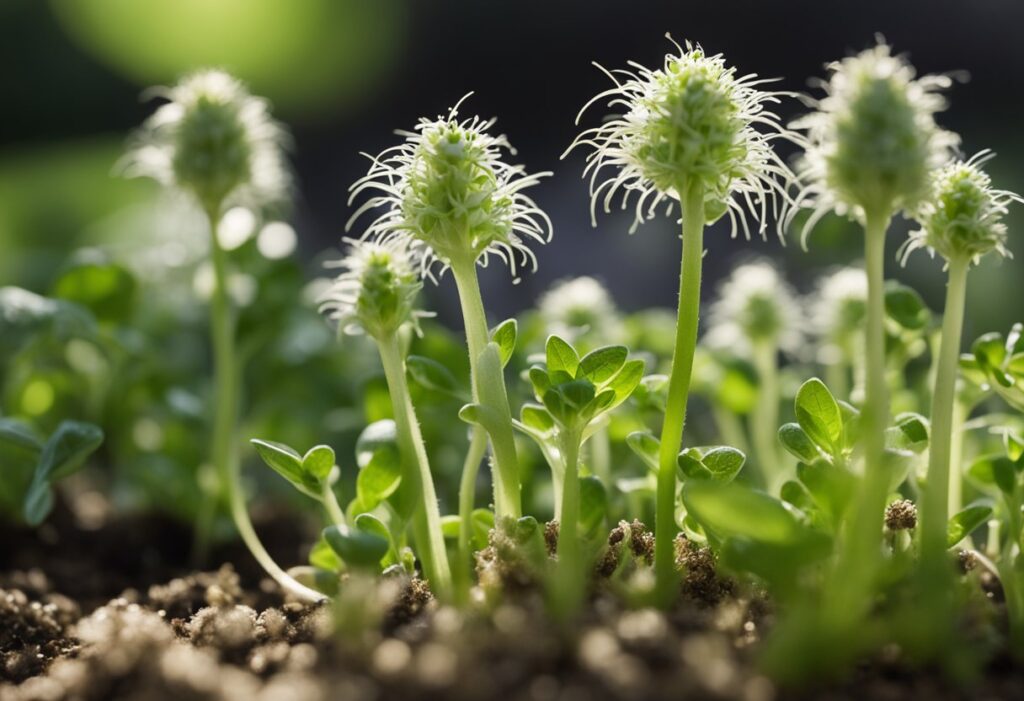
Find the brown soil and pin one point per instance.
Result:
(88, 630)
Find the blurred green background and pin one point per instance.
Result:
(343, 75)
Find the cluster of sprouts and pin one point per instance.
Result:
(694, 133)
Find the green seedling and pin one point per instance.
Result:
(59, 455)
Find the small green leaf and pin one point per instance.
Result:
(322, 556)
(601, 365)
(63, 453)
(989, 350)
(20, 436)
(379, 461)
(905, 306)
(540, 381)
(626, 381)
(646, 447)
(736, 510)
(724, 463)
(281, 458)
(356, 547)
(577, 394)
(818, 415)
(593, 505)
(470, 414)
(913, 432)
(994, 472)
(798, 443)
(537, 418)
(318, 462)
(561, 356)
(431, 375)
(505, 337)
(965, 523)
(369, 523)
(689, 462)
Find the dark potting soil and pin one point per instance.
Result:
(116, 613)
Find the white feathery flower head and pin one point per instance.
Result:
(873, 140)
(963, 215)
(692, 120)
(838, 307)
(448, 190)
(376, 290)
(755, 304)
(577, 306)
(215, 140)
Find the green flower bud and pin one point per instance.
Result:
(215, 141)
(963, 215)
(581, 307)
(691, 121)
(873, 140)
(755, 305)
(376, 292)
(838, 311)
(449, 191)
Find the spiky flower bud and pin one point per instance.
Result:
(691, 122)
(376, 290)
(963, 215)
(873, 140)
(448, 189)
(215, 141)
(580, 307)
(755, 305)
(838, 310)
(901, 515)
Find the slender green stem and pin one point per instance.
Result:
(489, 391)
(225, 418)
(569, 583)
(678, 392)
(935, 504)
(850, 591)
(330, 501)
(601, 455)
(765, 420)
(956, 456)
(416, 471)
(467, 494)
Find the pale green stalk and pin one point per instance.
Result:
(569, 582)
(935, 503)
(330, 502)
(426, 518)
(956, 452)
(506, 462)
(225, 456)
(765, 420)
(848, 595)
(692, 198)
(467, 494)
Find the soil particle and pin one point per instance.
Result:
(33, 633)
(551, 537)
(632, 535)
(701, 582)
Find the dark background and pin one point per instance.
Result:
(355, 70)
